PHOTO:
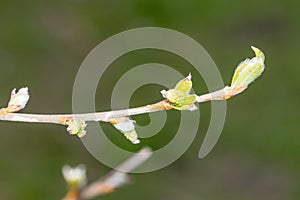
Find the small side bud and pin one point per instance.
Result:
(18, 100)
(76, 127)
(126, 126)
(132, 137)
(74, 177)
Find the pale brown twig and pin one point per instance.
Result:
(109, 116)
(113, 180)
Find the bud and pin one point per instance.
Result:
(249, 70)
(132, 136)
(74, 177)
(126, 126)
(18, 100)
(76, 127)
(179, 97)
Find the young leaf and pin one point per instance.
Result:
(249, 70)
(179, 97)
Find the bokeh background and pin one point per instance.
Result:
(42, 45)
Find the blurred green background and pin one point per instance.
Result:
(42, 45)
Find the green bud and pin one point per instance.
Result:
(249, 70)
(76, 127)
(179, 98)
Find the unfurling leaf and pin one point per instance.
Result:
(185, 85)
(249, 70)
(179, 97)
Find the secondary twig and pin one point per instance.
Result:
(113, 180)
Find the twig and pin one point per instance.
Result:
(109, 116)
(98, 116)
(113, 180)
(179, 98)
